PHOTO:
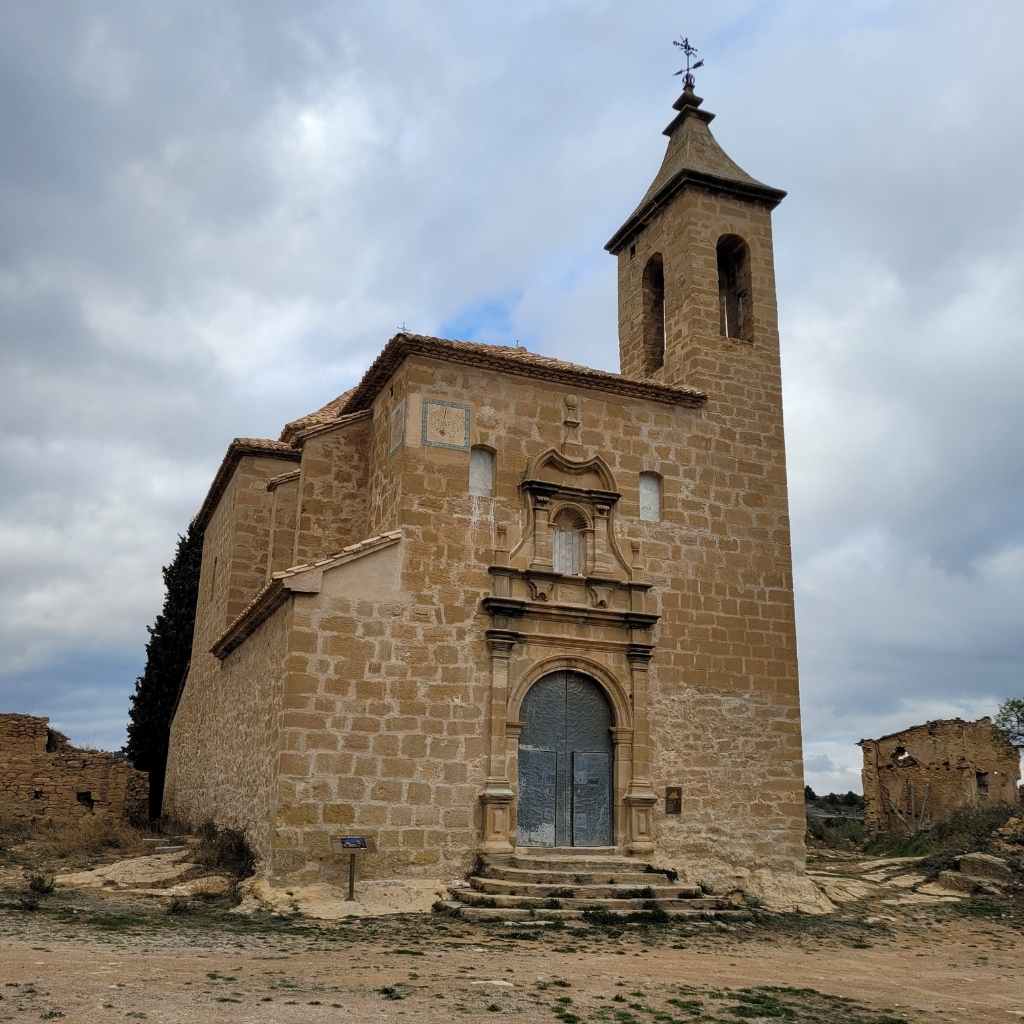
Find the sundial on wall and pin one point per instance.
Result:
(445, 424)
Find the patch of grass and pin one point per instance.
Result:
(91, 835)
(645, 893)
(225, 849)
(391, 992)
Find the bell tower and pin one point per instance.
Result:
(696, 270)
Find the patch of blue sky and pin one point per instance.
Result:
(489, 320)
(84, 693)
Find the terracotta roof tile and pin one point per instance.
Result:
(315, 419)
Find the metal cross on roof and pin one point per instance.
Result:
(690, 51)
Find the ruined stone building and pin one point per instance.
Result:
(488, 599)
(45, 780)
(917, 777)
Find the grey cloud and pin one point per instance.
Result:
(213, 216)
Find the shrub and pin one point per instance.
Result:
(29, 900)
(42, 883)
(964, 831)
(225, 849)
(838, 833)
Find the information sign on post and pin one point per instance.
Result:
(351, 845)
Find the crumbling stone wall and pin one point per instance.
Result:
(917, 777)
(45, 779)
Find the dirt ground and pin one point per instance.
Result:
(145, 940)
(96, 957)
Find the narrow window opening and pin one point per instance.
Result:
(981, 778)
(481, 472)
(735, 314)
(213, 577)
(653, 315)
(37, 794)
(84, 797)
(650, 497)
(567, 550)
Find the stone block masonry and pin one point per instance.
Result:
(373, 622)
(45, 780)
(917, 777)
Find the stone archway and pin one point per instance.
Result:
(565, 763)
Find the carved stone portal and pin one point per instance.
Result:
(593, 620)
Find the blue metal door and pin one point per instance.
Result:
(565, 764)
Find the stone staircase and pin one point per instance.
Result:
(564, 883)
(165, 844)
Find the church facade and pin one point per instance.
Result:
(488, 600)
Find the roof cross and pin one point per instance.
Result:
(690, 52)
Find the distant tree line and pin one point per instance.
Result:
(849, 799)
(167, 657)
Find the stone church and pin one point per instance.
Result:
(489, 600)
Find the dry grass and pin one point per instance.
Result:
(88, 837)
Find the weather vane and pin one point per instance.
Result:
(690, 51)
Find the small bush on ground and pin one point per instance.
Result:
(836, 833)
(225, 849)
(42, 883)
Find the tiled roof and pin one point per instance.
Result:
(240, 446)
(508, 359)
(315, 419)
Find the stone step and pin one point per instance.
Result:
(547, 862)
(514, 914)
(473, 897)
(544, 889)
(570, 878)
(169, 849)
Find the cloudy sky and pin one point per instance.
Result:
(213, 214)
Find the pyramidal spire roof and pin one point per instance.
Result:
(693, 155)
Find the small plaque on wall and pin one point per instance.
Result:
(445, 425)
(673, 799)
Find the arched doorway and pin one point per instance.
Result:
(565, 763)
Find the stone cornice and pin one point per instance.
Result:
(518, 362)
(325, 428)
(237, 450)
(637, 220)
(284, 478)
(299, 579)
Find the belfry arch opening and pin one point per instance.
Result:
(653, 285)
(735, 312)
(566, 763)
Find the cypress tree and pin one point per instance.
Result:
(167, 656)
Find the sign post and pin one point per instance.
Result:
(352, 845)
